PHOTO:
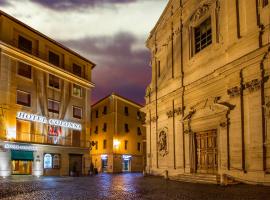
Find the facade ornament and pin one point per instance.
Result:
(234, 91)
(199, 13)
(163, 142)
(178, 111)
(170, 114)
(253, 85)
(154, 119)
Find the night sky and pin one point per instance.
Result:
(111, 33)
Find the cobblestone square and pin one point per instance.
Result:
(122, 186)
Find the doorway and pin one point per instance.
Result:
(126, 165)
(206, 152)
(75, 164)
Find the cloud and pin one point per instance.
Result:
(121, 68)
(63, 5)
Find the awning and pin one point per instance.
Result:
(22, 155)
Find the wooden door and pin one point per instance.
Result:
(206, 152)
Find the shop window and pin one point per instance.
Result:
(96, 130)
(126, 128)
(23, 98)
(203, 35)
(77, 70)
(139, 132)
(53, 106)
(24, 70)
(265, 3)
(105, 127)
(56, 161)
(139, 146)
(104, 110)
(25, 44)
(54, 59)
(77, 112)
(51, 161)
(126, 110)
(126, 144)
(76, 138)
(54, 81)
(77, 90)
(47, 161)
(104, 144)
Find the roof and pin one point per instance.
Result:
(47, 38)
(119, 96)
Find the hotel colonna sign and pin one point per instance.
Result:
(44, 120)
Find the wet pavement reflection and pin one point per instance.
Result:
(122, 186)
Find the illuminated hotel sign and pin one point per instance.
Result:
(20, 147)
(44, 120)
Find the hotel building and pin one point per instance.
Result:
(117, 135)
(208, 104)
(45, 108)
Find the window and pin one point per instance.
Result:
(77, 112)
(53, 106)
(265, 3)
(105, 127)
(126, 110)
(96, 113)
(104, 144)
(96, 145)
(105, 110)
(203, 35)
(25, 44)
(77, 90)
(76, 138)
(23, 98)
(77, 70)
(139, 146)
(54, 81)
(54, 59)
(158, 68)
(126, 144)
(139, 116)
(96, 130)
(139, 132)
(47, 161)
(24, 70)
(126, 128)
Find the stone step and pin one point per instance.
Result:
(197, 178)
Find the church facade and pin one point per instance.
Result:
(207, 106)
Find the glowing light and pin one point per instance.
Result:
(20, 147)
(104, 157)
(116, 143)
(11, 133)
(126, 157)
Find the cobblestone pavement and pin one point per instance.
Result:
(122, 186)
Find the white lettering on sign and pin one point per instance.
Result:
(44, 120)
(126, 157)
(20, 147)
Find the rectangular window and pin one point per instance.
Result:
(25, 44)
(53, 106)
(139, 132)
(23, 98)
(54, 59)
(203, 35)
(24, 70)
(76, 138)
(139, 146)
(77, 70)
(104, 144)
(23, 130)
(96, 130)
(126, 110)
(105, 110)
(126, 128)
(96, 145)
(77, 112)
(105, 127)
(265, 3)
(96, 113)
(126, 144)
(77, 90)
(139, 116)
(54, 81)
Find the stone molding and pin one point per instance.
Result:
(253, 85)
(234, 91)
(176, 111)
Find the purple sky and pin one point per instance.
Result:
(111, 33)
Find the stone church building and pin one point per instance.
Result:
(207, 106)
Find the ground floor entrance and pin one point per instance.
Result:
(206, 152)
(126, 163)
(75, 164)
(104, 164)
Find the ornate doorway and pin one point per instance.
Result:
(206, 152)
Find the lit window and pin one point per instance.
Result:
(203, 35)
(54, 81)
(54, 59)
(77, 112)
(25, 44)
(53, 106)
(77, 70)
(23, 98)
(77, 90)
(24, 70)
(47, 161)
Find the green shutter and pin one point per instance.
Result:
(21, 155)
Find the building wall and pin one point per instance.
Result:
(223, 87)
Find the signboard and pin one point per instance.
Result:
(126, 157)
(19, 147)
(47, 161)
(52, 122)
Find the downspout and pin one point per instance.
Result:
(156, 89)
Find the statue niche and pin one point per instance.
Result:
(163, 142)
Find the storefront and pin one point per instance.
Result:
(104, 163)
(126, 163)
